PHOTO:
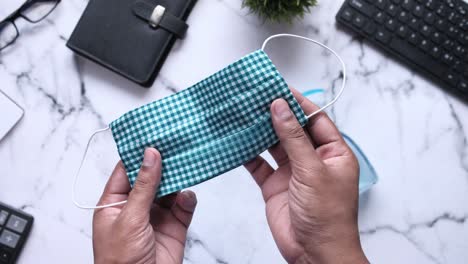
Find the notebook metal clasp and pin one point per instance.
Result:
(156, 16)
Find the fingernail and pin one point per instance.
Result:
(149, 159)
(281, 109)
(188, 201)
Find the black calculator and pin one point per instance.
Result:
(15, 226)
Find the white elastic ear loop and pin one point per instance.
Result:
(78, 172)
(325, 47)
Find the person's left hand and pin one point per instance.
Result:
(143, 230)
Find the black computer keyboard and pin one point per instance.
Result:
(429, 35)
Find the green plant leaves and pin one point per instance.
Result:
(279, 10)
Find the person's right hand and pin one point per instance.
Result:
(312, 198)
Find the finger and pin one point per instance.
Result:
(141, 197)
(117, 187)
(292, 136)
(259, 169)
(279, 155)
(185, 207)
(320, 127)
(168, 200)
(174, 222)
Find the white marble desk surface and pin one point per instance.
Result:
(414, 133)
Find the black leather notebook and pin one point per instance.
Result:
(130, 37)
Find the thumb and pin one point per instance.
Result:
(142, 195)
(292, 136)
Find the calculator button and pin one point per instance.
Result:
(9, 239)
(3, 217)
(4, 256)
(16, 223)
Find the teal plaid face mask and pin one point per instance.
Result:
(210, 128)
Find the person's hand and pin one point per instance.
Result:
(312, 197)
(142, 230)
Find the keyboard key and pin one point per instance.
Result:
(391, 24)
(380, 17)
(413, 38)
(451, 78)
(402, 31)
(448, 44)
(462, 10)
(463, 24)
(442, 11)
(458, 66)
(404, 16)
(426, 30)
(460, 51)
(407, 5)
(435, 52)
(414, 23)
(463, 38)
(347, 14)
(454, 17)
(381, 4)
(441, 25)
(3, 217)
(383, 36)
(430, 18)
(450, 3)
(392, 10)
(363, 7)
(9, 239)
(436, 37)
(418, 11)
(359, 21)
(425, 45)
(431, 4)
(452, 31)
(447, 58)
(16, 223)
(463, 86)
(370, 28)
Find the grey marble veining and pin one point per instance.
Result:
(412, 131)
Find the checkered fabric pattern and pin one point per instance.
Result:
(210, 128)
